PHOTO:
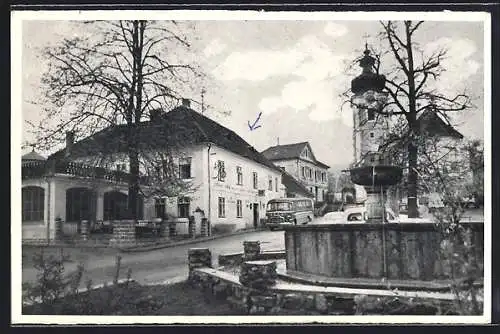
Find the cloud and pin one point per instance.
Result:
(271, 104)
(258, 65)
(316, 81)
(335, 29)
(214, 48)
(315, 75)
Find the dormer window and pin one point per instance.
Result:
(371, 114)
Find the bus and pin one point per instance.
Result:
(289, 211)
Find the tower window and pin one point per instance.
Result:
(371, 114)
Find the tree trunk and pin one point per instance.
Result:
(412, 181)
(412, 121)
(133, 135)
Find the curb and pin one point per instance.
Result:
(185, 242)
(144, 248)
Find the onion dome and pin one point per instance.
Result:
(368, 79)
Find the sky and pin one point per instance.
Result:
(290, 72)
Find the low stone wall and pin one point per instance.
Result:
(287, 300)
(123, 233)
(257, 292)
(251, 249)
(235, 259)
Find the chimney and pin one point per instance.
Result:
(278, 141)
(70, 139)
(186, 103)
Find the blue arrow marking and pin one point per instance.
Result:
(254, 126)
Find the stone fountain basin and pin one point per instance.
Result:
(381, 175)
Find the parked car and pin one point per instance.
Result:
(360, 215)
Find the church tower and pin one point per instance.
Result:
(369, 127)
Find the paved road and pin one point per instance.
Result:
(168, 264)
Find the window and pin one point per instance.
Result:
(185, 168)
(255, 180)
(323, 177)
(160, 205)
(115, 205)
(222, 207)
(279, 206)
(316, 176)
(239, 208)
(276, 184)
(33, 203)
(371, 114)
(183, 207)
(221, 172)
(309, 173)
(121, 167)
(270, 183)
(239, 174)
(371, 134)
(303, 172)
(80, 204)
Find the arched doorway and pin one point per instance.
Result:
(115, 206)
(80, 205)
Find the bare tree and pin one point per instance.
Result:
(410, 74)
(111, 79)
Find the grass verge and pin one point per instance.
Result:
(135, 299)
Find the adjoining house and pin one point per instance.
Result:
(232, 181)
(299, 161)
(444, 146)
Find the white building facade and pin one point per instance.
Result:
(299, 161)
(231, 184)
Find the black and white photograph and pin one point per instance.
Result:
(250, 167)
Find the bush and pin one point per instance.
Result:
(56, 293)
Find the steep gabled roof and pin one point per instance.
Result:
(289, 151)
(283, 152)
(294, 186)
(434, 125)
(179, 127)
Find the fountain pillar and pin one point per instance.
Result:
(374, 204)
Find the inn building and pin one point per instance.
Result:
(232, 182)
